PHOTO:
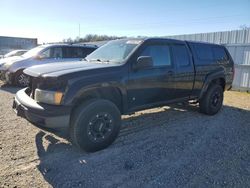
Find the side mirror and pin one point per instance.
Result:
(38, 57)
(144, 62)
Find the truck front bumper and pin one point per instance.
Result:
(50, 116)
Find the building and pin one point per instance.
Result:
(8, 44)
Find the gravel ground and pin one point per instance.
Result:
(172, 146)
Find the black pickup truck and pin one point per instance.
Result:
(122, 77)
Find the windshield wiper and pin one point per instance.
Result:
(84, 59)
(106, 61)
(100, 60)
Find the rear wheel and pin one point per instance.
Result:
(212, 101)
(95, 125)
(21, 79)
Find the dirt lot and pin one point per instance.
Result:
(172, 146)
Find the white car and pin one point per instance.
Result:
(15, 53)
(11, 68)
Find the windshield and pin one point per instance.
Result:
(10, 54)
(114, 51)
(15, 53)
(33, 51)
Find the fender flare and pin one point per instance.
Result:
(208, 80)
(78, 95)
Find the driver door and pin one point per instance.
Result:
(153, 85)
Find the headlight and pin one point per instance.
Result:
(49, 97)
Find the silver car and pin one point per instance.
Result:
(11, 69)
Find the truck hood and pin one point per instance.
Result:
(62, 68)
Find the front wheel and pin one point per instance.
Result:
(95, 125)
(212, 101)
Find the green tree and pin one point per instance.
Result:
(91, 38)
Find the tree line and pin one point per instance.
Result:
(91, 38)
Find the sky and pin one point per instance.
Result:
(55, 20)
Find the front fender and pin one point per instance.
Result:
(77, 89)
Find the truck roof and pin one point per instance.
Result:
(167, 39)
(200, 42)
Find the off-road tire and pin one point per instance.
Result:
(84, 119)
(212, 100)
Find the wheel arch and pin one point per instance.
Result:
(216, 78)
(113, 94)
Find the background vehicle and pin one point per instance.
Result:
(15, 53)
(121, 77)
(11, 69)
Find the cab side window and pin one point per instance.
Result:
(219, 54)
(204, 52)
(159, 53)
(181, 55)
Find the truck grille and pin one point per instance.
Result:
(32, 87)
(43, 84)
